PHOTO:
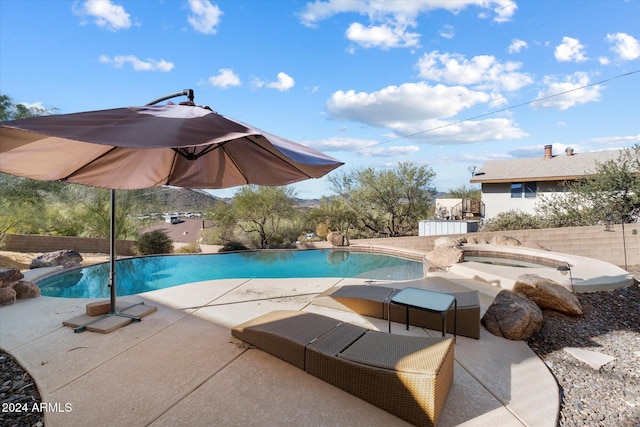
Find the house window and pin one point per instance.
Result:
(530, 189)
(524, 189)
(516, 190)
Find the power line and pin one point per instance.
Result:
(544, 98)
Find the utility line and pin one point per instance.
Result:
(501, 110)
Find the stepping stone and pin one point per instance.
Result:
(594, 359)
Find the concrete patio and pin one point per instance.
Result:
(181, 366)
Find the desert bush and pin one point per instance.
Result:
(153, 242)
(233, 246)
(190, 248)
(513, 220)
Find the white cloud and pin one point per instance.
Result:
(447, 32)
(400, 104)
(568, 93)
(204, 17)
(284, 82)
(392, 151)
(225, 78)
(625, 46)
(382, 36)
(463, 132)
(517, 45)
(620, 140)
(570, 50)
(389, 20)
(137, 64)
(485, 71)
(341, 144)
(320, 10)
(106, 14)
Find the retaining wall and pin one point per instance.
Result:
(593, 242)
(31, 243)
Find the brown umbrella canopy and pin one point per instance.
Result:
(140, 147)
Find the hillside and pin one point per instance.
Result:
(185, 200)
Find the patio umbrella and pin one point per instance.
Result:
(139, 147)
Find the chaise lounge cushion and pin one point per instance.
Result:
(407, 376)
(371, 300)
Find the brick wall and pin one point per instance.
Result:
(36, 244)
(593, 242)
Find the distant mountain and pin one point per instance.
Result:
(198, 201)
(185, 200)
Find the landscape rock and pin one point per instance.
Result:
(444, 257)
(533, 245)
(25, 290)
(548, 294)
(66, 258)
(7, 296)
(449, 242)
(512, 316)
(474, 240)
(505, 241)
(9, 276)
(337, 239)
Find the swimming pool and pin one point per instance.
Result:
(137, 275)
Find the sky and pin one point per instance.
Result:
(449, 84)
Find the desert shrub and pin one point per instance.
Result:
(513, 220)
(190, 248)
(233, 246)
(153, 242)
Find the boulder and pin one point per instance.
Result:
(337, 239)
(65, 258)
(474, 240)
(512, 316)
(534, 245)
(26, 290)
(449, 242)
(7, 296)
(444, 257)
(9, 276)
(505, 241)
(548, 294)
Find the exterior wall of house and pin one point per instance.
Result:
(497, 198)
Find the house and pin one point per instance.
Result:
(517, 184)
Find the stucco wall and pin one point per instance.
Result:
(594, 242)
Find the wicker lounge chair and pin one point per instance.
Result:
(407, 376)
(371, 300)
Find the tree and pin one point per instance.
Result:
(333, 214)
(260, 210)
(612, 191)
(463, 193)
(390, 201)
(9, 110)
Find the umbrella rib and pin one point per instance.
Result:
(76, 170)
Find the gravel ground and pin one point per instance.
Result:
(610, 325)
(609, 396)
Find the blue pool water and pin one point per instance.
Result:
(137, 275)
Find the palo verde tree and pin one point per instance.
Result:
(333, 214)
(387, 201)
(261, 211)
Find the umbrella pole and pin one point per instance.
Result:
(112, 253)
(113, 307)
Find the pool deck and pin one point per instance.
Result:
(181, 366)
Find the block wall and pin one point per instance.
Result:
(593, 242)
(36, 244)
